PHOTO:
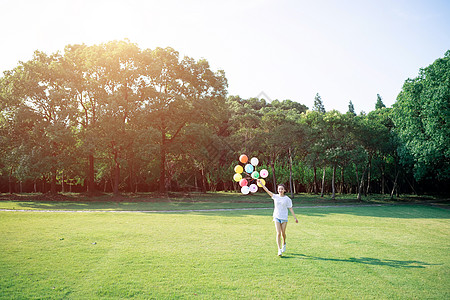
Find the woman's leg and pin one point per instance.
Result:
(283, 231)
(279, 229)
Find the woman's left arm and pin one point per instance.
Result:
(292, 212)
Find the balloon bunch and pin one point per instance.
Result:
(246, 175)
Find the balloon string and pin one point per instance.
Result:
(250, 178)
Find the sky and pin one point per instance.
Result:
(344, 50)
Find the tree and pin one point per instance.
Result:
(314, 143)
(379, 103)
(10, 101)
(277, 141)
(339, 144)
(329, 140)
(120, 99)
(37, 88)
(382, 144)
(318, 104)
(422, 117)
(16, 123)
(177, 93)
(289, 106)
(82, 79)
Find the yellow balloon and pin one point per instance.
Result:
(263, 182)
(239, 169)
(237, 177)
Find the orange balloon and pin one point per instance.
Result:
(243, 158)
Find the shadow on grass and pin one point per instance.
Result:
(394, 211)
(366, 261)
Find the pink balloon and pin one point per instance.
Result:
(264, 173)
(243, 182)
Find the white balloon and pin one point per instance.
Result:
(245, 190)
(254, 161)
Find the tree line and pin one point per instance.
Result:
(117, 118)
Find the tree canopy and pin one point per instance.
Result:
(116, 118)
(422, 119)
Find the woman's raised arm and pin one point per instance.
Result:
(264, 187)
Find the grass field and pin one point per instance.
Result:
(180, 201)
(376, 252)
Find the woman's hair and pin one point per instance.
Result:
(283, 186)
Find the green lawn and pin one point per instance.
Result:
(378, 252)
(138, 202)
(180, 201)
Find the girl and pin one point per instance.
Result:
(280, 214)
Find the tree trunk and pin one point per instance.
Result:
(131, 176)
(91, 174)
(412, 187)
(116, 174)
(361, 185)
(43, 183)
(342, 181)
(290, 173)
(323, 183)
(162, 174)
(395, 185)
(315, 180)
(368, 176)
(62, 182)
(10, 181)
(111, 181)
(382, 179)
(196, 183)
(203, 181)
(333, 195)
(53, 182)
(273, 177)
